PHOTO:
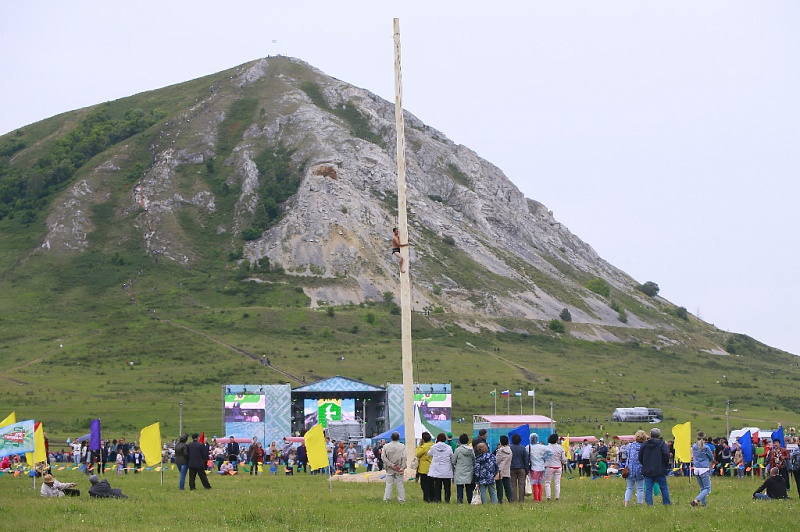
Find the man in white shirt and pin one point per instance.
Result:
(586, 455)
(53, 488)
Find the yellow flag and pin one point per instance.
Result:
(565, 445)
(683, 442)
(315, 448)
(12, 418)
(150, 444)
(39, 453)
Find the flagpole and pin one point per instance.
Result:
(495, 401)
(520, 402)
(533, 398)
(508, 403)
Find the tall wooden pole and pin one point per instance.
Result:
(402, 226)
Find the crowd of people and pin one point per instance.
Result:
(508, 473)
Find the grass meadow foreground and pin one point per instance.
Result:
(304, 502)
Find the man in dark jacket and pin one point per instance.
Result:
(198, 458)
(233, 453)
(182, 459)
(103, 490)
(775, 486)
(654, 457)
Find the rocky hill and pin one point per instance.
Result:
(287, 168)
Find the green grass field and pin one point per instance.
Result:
(304, 502)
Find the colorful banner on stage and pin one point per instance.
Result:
(17, 438)
(329, 410)
(434, 403)
(244, 407)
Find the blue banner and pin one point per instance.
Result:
(16, 438)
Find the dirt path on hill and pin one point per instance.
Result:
(242, 352)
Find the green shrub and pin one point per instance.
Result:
(437, 289)
(565, 315)
(449, 240)
(556, 326)
(649, 288)
(682, 313)
(622, 315)
(599, 286)
(370, 318)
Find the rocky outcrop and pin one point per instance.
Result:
(479, 246)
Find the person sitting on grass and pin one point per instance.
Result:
(53, 488)
(775, 486)
(227, 468)
(102, 489)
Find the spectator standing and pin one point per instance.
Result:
(181, 459)
(463, 460)
(537, 455)
(485, 472)
(394, 460)
(519, 468)
(554, 465)
(635, 478)
(254, 455)
(424, 466)
(586, 455)
(654, 457)
(198, 457)
(441, 470)
(352, 454)
(778, 457)
(503, 483)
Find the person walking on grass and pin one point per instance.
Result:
(703, 458)
(654, 457)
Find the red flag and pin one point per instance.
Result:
(202, 438)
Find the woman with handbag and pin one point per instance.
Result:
(635, 478)
(485, 471)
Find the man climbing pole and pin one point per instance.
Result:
(396, 245)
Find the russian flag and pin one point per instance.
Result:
(505, 393)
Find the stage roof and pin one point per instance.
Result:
(338, 384)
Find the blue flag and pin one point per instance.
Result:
(746, 443)
(778, 435)
(524, 432)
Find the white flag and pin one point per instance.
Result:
(530, 393)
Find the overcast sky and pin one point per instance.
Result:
(664, 134)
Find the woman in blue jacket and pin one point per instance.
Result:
(703, 458)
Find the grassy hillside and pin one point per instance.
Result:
(179, 327)
(115, 333)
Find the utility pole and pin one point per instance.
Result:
(180, 420)
(727, 417)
